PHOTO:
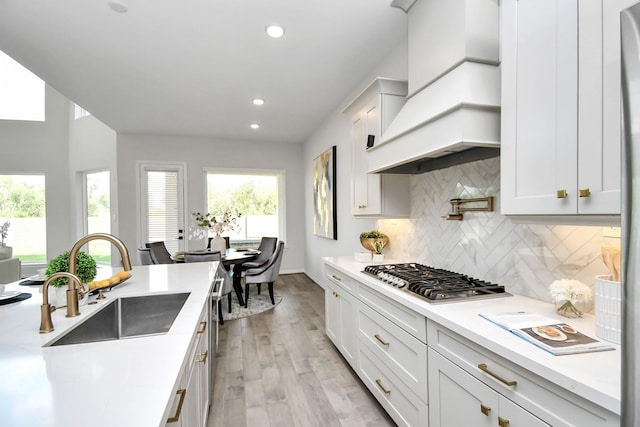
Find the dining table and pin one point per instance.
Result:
(231, 257)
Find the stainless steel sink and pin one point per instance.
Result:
(127, 317)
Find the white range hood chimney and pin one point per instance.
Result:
(452, 113)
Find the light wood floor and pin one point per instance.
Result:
(279, 369)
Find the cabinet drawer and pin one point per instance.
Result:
(341, 279)
(401, 352)
(549, 402)
(408, 320)
(400, 402)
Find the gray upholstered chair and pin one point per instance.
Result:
(267, 273)
(227, 282)
(145, 256)
(159, 253)
(267, 248)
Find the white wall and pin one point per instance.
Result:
(42, 148)
(335, 131)
(199, 153)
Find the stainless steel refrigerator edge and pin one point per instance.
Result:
(630, 41)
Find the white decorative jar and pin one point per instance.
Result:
(218, 243)
(608, 301)
(6, 252)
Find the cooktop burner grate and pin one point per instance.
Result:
(434, 284)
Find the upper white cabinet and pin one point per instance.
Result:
(560, 149)
(371, 112)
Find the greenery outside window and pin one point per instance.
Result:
(98, 213)
(22, 203)
(257, 195)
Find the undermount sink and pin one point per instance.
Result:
(127, 317)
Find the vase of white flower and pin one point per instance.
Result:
(217, 224)
(570, 297)
(6, 252)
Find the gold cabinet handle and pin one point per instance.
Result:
(203, 327)
(483, 368)
(386, 344)
(182, 393)
(338, 278)
(503, 422)
(485, 409)
(584, 192)
(335, 294)
(561, 194)
(384, 390)
(362, 206)
(204, 356)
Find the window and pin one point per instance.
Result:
(162, 202)
(22, 203)
(98, 213)
(21, 92)
(258, 196)
(80, 112)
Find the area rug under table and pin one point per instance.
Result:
(257, 304)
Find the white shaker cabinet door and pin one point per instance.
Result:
(539, 106)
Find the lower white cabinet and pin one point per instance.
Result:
(458, 399)
(340, 314)
(190, 405)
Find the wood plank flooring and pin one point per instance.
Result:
(279, 369)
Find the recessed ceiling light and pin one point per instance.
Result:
(118, 6)
(275, 31)
(258, 101)
(255, 126)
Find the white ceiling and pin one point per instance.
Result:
(192, 67)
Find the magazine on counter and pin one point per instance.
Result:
(547, 333)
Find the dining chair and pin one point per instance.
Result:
(159, 253)
(267, 273)
(227, 282)
(267, 248)
(145, 256)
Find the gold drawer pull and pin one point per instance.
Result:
(203, 327)
(204, 356)
(384, 390)
(561, 194)
(182, 393)
(386, 344)
(483, 368)
(338, 278)
(335, 294)
(362, 206)
(584, 192)
(485, 409)
(503, 422)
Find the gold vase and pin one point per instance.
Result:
(370, 244)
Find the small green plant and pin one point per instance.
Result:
(86, 268)
(373, 234)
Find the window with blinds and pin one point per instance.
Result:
(163, 207)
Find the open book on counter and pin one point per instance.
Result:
(547, 333)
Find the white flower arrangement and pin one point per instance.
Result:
(570, 290)
(4, 232)
(218, 224)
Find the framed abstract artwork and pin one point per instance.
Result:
(325, 222)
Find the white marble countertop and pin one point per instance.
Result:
(127, 382)
(593, 376)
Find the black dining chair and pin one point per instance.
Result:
(159, 253)
(267, 273)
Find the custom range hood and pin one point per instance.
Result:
(452, 113)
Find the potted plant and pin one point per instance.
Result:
(5, 251)
(375, 241)
(217, 224)
(86, 270)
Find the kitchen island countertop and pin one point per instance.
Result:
(593, 376)
(127, 382)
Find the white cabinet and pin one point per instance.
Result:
(340, 313)
(469, 385)
(458, 399)
(190, 405)
(371, 113)
(560, 150)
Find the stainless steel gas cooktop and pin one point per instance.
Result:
(433, 284)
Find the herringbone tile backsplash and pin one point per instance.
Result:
(525, 258)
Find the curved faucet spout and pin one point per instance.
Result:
(46, 325)
(124, 253)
